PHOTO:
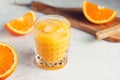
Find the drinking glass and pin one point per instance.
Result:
(52, 37)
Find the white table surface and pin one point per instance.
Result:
(89, 59)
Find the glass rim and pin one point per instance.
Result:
(41, 18)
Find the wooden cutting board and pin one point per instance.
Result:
(78, 20)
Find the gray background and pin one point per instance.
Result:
(89, 59)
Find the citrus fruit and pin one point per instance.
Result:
(8, 60)
(22, 25)
(97, 14)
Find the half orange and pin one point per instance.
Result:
(22, 25)
(8, 60)
(97, 14)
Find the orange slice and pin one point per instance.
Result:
(8, 60)
(97, 14)
(22, 25)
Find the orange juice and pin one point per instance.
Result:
(52, 36)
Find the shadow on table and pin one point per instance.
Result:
(26, 58)
(6, 34)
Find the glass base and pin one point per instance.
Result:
(50, 66)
